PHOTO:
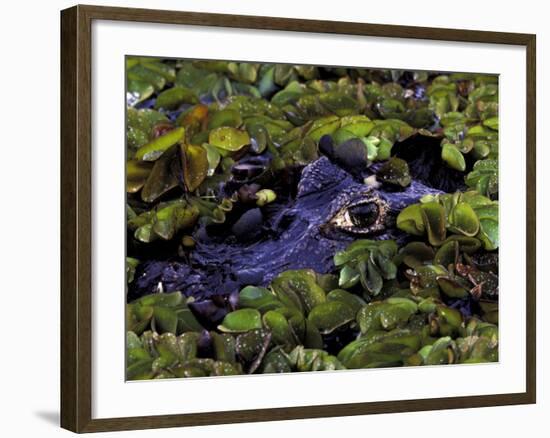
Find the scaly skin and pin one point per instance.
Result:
(306, 233)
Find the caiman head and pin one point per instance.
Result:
(331, 209)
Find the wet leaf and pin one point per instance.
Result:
(163, 176)
(410, 220)
(136, 174)
(226, 117)
(353, 301)
(463, 220)
(331, 315)
(155, 148)
(258, 298)
(228, 138)
(298, 288)
(172, 98)
(195, 165)
(241, 320)
(433, 216)
(396, 172)
(453, 157)
(281, 331)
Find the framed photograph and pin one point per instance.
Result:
(268, 219)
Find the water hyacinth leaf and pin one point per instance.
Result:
(213, 157)
(138, 317)
(241, 320)
(224, 347)
(433, 216)
(195, 165)
(228, 138)
(489, 234)
(359, 125)
(187, 344)
(172, 98)
(258, 137)
(415, 254)
(349, 277)
(323, 126)
(396, 311)
(144, 74)
(463, 220)
(452, 288)
(370, 277)
(442, 352)
(342, 135)
(385, 265)
(258, 298)
(338, 103)
(388, 349)
(172, 299)
(252, 346)
(187, 322)
(331, 315)
(136, 174)
(165, 320)
(468, 245)
(355, 302)
(453, 157)
(140, 124)
(395, 171)
(305, 359)
(226, 117)
(484, 177)
(298, 288)
(266, 86)
(166, 71)
(265, 196)
(138, 91)
(155, 148)
(410, 220)
(451, 316)
(297, 322)
(247, 72)
(172, 218)
(491, 123)
(131, 264)
(276, 361)
(162, 178)
(312, 337)
(140, 370)
(383, 150)
(278, 325)
(193, 119)
(447, 253)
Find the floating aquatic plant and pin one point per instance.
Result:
(221, 166)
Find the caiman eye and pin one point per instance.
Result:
(366, 215)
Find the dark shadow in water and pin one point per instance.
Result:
(51, 417)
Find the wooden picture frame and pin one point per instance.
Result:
(76, 198)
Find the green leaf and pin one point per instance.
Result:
(172, 98)
(453, 157)
(154, 149)
(463, 220)
(241, 320)
(228, 138)
(195, 165)
(331, 315)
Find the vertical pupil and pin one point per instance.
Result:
(364, 215)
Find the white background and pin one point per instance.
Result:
(30, 220)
